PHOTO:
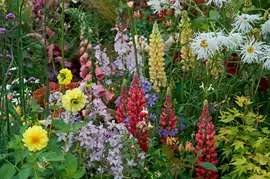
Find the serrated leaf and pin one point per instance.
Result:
(238, 144)
(239, 161)
(208, 166)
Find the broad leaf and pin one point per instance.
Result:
(7, 171)
(208, 166)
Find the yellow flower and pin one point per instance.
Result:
(74, 100)
(18, 110)
(65, 76)
(35, 138)
(156, 61)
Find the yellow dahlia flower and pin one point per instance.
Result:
(156, 60)
(65, 76)
(35, 138)
(74, 100)
(186, 35)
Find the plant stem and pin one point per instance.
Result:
(63, 33)
(132, 27)
(46, 60)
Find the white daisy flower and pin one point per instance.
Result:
(218, 3)
(204, 45)
(251, 51)
(266, 57)
(244, 23)
(235, 40)
(159, 5)
(265, 29)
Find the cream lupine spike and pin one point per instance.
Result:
(156, 61)
(186, 35)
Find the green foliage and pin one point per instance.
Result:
(245, 146)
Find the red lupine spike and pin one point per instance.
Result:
(167, 118)
(136, 104)
(206, 142)
(122, 110)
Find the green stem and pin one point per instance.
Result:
(261, 74)
(46, 60)
(63, 33)
(133, 27)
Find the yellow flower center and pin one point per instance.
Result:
(74, 101)
(35, 140)
(204, 43)
(250, 50)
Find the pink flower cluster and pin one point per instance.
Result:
(206, 142)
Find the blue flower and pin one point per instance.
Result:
(165, 133)
(117, 101)
(152, 99)
(146, 85)
(182, 126)
(152, 116)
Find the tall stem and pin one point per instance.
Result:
(62, 32)
(132, 28)
(20, 58)
(45, 59)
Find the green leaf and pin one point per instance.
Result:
(239, 161)
(167, 150)
(79, 173)
(214, 15)
(79, 125)
(60, 124)
(7, 171)
(53, 156)
(25, 173)
(198, 155)
(238, 144)
(208, 166)
(71, 164)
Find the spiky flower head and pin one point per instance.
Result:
(156, 61)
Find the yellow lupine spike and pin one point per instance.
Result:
(156, 61)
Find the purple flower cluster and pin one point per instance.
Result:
(146, 85)
(2, 31)
(165, 133)
(10, 16)
(151, 97)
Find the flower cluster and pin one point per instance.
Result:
(137, 116)
(122, 110)
(103, 61)
(168, 120)
(104, 145)
(126, 55)
(156, 60)
(206, 143)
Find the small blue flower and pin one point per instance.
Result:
(146, 85)
(152, 116)
(117, 101)
(92, 118)
(108, 134)
(182, 126)
(152, 99)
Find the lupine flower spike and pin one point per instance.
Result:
(206, 142)
(156, 61)
(137, 115)
(168, 120)
(122, 110)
